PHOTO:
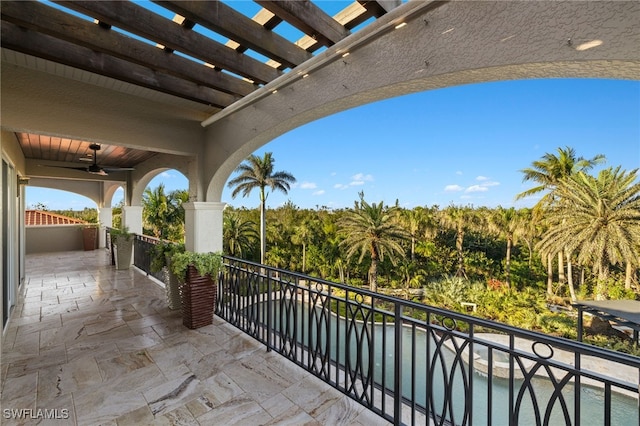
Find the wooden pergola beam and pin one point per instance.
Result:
(144, 23)
(47, 47)
(308, 18)
(226, 21)
(58, 24)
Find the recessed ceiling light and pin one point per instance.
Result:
(448, 31)
(345, 54)
(589, 45)
(400, 25)
(305, 76)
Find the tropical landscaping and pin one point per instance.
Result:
(580, 241)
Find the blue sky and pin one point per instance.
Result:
(463, 145)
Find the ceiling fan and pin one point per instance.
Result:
(94, 168)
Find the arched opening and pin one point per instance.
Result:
(464, 146)
(458, 145)
(161, 200)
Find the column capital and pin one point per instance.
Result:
(204, 205)
(203, 226)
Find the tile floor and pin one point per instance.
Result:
(94, 346)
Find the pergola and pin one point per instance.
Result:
(625, 313)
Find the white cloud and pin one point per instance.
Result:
(453, 188)
(308, 185)
(476, 188)
(481, 178)
(361, 177)
(166, 175)
(490, 183)
(358, 179)
(459, 173)
(319, 192)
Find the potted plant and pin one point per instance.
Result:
(89, 236)
(161, 262)
(122, 242)
(198, 274)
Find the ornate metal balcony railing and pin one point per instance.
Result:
(143, 252)
(416, 364)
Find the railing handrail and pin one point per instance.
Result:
(571, 345)
(414, 368)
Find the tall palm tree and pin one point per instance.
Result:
(460, 220)
(239, 235)
(507, 223)
(257, 172)
(552, 168)
(598, 218)
(372, 230)
(547, 172)
(302, 235)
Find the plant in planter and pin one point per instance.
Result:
(161, 256)
(89, 236)
(122, 242)
(198, 273)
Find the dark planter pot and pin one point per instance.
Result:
(89, 238)
(198, 299)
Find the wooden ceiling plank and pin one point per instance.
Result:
(144, 23)
(55, 148)
(47, 47)
(53, 22)
(25, 143)
(226, 21)
(64, 149)
(308, 18)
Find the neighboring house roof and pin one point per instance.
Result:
(38, 217)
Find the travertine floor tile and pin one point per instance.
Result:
(103, 345)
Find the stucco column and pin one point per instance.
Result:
(105, 218)
(132, 217)
(203, 226)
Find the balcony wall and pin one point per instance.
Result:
(53, 238)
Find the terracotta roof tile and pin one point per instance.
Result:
(38, 217)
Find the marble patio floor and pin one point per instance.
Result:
(95, 346)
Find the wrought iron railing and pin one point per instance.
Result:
(416, 364)
(143, 253)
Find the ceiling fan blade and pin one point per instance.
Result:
(84, 169)
(117, 169)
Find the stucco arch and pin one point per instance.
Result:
(151, 168)
(100, 192)
(458, 43)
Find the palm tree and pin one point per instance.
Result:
(598, 218)
(460, 220)
(551, 169)
(258, 172)
(163, 214)
(239, 234)
(155, 207)
(302, 235)
(547, 172)
(507, 223)
(372, 230)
